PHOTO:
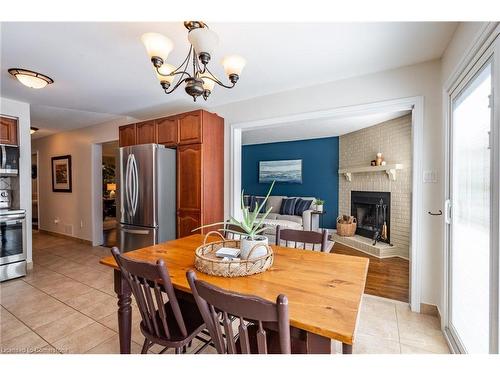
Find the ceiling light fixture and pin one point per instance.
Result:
(201, 81)
(33, 130)
(30, 78)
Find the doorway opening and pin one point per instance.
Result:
(109, 221)
(35, 225)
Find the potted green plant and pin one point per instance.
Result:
(319, 204)
(251, 228)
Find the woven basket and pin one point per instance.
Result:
(346, 230)
(207, 262)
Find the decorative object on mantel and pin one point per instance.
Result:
(252, 245)
(346, 226)
(378, 160)
(203, 42)
(207, 261)
(389, 169)
(318, 204)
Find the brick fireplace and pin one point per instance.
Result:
(393, 139)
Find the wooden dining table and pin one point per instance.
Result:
(324, 290)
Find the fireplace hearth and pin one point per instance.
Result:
(372, 210)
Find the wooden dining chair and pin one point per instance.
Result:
(301, 238)
(264, 327)
(172, 323)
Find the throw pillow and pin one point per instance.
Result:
(255, 202)
(288, 206)
(302, 205)
(247, 200)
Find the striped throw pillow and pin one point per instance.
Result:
(288, 206)
(302, 205)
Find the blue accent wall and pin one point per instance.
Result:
(320, 164)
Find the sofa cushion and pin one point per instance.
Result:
(255, 202)
(274, 201)
(295, 219)
(288, 206)
(302, 205)
(247, 200)
(271, 216)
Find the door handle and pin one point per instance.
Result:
(135, 183)
(447, 211)
(128, 185)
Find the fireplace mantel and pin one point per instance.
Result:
(389, 169)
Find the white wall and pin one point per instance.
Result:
(421, 79)
(21, 110)
(75, 209)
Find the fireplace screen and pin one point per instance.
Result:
(372, 211)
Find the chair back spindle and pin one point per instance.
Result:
(254, 316)
(300, 239)
(149, 283)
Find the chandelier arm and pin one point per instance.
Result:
(216, 80)
(186, 59)
(176, 85)
(182, 73)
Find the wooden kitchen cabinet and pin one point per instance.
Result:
(167, 131)
(127, 135)
(199, 139)
(8, 131)
(190, 128)
(186, 222)
(145, 132)
(189, 177)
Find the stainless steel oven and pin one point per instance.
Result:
(13, 244)
(9, 160)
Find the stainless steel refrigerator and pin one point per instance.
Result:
(147, 197)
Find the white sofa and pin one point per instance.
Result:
(288, 221)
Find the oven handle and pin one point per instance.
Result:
(9, 219)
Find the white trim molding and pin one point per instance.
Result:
(415, 104)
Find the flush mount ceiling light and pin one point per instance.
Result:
(201, 81)
(33, 130)
(31, 79)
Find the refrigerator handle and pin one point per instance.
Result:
(134, 182)
(127, 185)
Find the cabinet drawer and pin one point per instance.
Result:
(146, 132)
(190, 129)
(127, 135)
(166, 129)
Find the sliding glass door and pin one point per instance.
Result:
(470, 213)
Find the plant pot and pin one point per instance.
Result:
(246, 246)
(319, 207)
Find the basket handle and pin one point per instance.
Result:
(268, 248)
(211, 233)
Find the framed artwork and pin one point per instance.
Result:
(286, 171)
(61, 174)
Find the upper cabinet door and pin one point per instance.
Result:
(190, 128)
(8, 131)
(189, 177)
(167, 131)
(127, 135)
(146, 132)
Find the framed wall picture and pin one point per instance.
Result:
(286, 171)
(61, 174)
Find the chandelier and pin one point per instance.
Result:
(198, 79)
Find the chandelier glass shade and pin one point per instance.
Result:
(193, 72)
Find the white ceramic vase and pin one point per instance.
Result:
(319, 207)
(246, 246)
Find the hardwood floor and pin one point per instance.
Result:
(389, 278)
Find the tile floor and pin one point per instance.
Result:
(66, 304)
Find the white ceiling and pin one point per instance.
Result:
(317, 128)
(103, 69)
